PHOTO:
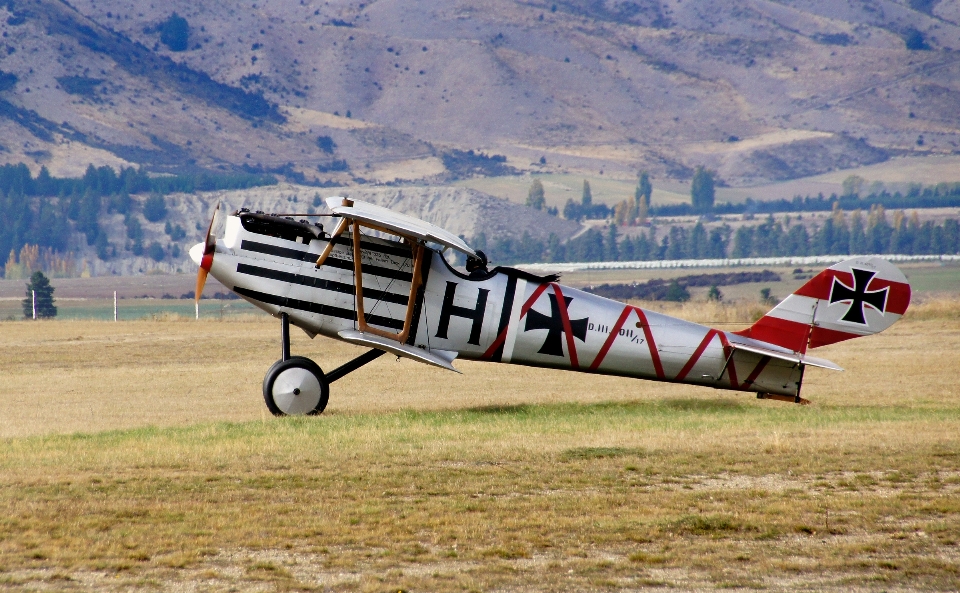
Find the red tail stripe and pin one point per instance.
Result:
(898, 299)
(696, 355)
(782, 332)
(567, 328)
(821, 336)
(818, 287)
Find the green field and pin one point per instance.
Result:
(933, 278)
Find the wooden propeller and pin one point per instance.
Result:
(209, 246)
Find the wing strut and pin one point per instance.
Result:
(341, 226)
(417, 248)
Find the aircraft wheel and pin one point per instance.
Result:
(295, 387)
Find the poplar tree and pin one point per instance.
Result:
(535, 197)
(613, 254)
(642, 198)
(702, 190)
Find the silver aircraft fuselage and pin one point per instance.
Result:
(499, 316)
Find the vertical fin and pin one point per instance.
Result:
(856, 297)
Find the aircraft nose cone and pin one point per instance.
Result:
(196, 253)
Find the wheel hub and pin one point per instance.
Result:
(296, 391)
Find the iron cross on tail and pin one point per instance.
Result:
(380, 280)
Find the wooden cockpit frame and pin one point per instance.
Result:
(417, 248)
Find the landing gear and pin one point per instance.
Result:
(296, 386)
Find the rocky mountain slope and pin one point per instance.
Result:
(347, 92)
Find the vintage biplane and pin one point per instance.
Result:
(380, 280)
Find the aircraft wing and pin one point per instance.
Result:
(376, 216)
(774, 352)
(437, 358)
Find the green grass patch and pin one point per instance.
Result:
(600, 452)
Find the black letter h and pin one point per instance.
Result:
(449, 309)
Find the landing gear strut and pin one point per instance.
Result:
(295, 385)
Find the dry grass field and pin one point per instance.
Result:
(138, 456)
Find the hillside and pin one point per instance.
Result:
(348, 92)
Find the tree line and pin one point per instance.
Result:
(841, 233)
(858, 233)
(105, 181)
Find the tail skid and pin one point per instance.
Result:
(784, 398)
(857, 297)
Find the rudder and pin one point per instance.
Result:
(854, 298)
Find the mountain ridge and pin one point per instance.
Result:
(567, 86)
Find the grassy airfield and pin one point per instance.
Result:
(138, 456)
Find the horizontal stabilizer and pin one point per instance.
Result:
(787, 356)
(438, 358)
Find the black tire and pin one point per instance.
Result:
(295, 387)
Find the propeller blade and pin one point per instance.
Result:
(209, 247)
(201, 280)
(210, 241)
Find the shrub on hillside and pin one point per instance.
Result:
(155, 251)
(155, 208)
(175, 32)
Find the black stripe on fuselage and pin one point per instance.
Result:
(508, 297)
(318, 308)
(298, 255)
(320, 283)
(418, 299)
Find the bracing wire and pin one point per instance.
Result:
(383, 290)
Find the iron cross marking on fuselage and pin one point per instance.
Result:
(553, 345)
(859, 296)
